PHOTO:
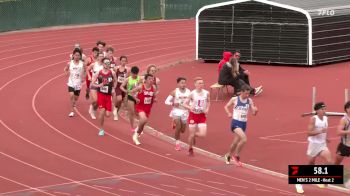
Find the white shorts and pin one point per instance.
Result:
(314, 149)
(179, 113)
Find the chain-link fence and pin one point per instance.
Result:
(24, 14)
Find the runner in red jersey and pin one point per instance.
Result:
(145, 98)
(90, 61)
(104, 81)
(122, 74)
(101, 45)
(111, 57)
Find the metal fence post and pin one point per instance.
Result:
(142, 10)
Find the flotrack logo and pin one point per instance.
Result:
(326, 12)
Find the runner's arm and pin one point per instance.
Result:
(124, 84)
(170, 99)
(114, 80)
(66, 69)
(208, 104)
(340, 128)
(253, 108)
(93, 81)
(186, 104)
(228, 105)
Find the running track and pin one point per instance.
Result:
(43, 152)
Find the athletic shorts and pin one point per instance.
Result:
(238, 124)
(118, 92)
(146, 110)
(104, 101)
(195, 119)
(131, 98)
(76, 92)
(343, 150)
(314, 149)
(179, 113)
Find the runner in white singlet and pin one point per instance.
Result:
(75, 68)
(179, 113)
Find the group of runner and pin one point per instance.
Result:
(108, 84)
(317, 138)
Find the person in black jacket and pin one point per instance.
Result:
(234, 75)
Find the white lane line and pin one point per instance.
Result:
(124, 190)
(29, 187)
(191, 189)
(215, 193)
(61, 193)
(103, 187)
(243, 187)
(171, 186)
(215, 182)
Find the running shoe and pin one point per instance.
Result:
(321, 186)
(135, 138)
(227, 159)
(101, 132)
(177, 147)
(258, 90)
(71, 114)
(299, 188)
(190, 152)
(237, 160)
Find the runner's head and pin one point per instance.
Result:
(320, 108)
(106, 63)
(109, 51)
(134, 71)
(199, 83)
(100, 56)
(151, 69)
(123, 60)
(149, 79)
(101, 45)
(181, 82)
(95, 51)
(245, 91)
(76, 54)
(347, 107)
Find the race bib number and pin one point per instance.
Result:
(77, 87)
(104, 89)
(120, 79)
(147, 100)
(197, 109)
(76, 76)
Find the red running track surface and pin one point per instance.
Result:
(43, 152)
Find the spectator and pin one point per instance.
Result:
(225, 58)
(230, 75)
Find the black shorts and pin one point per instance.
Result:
(131, 98)
(76, 92)
(343, 150)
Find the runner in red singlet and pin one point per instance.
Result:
(104, 81)
(122, 73)
(144, 101)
